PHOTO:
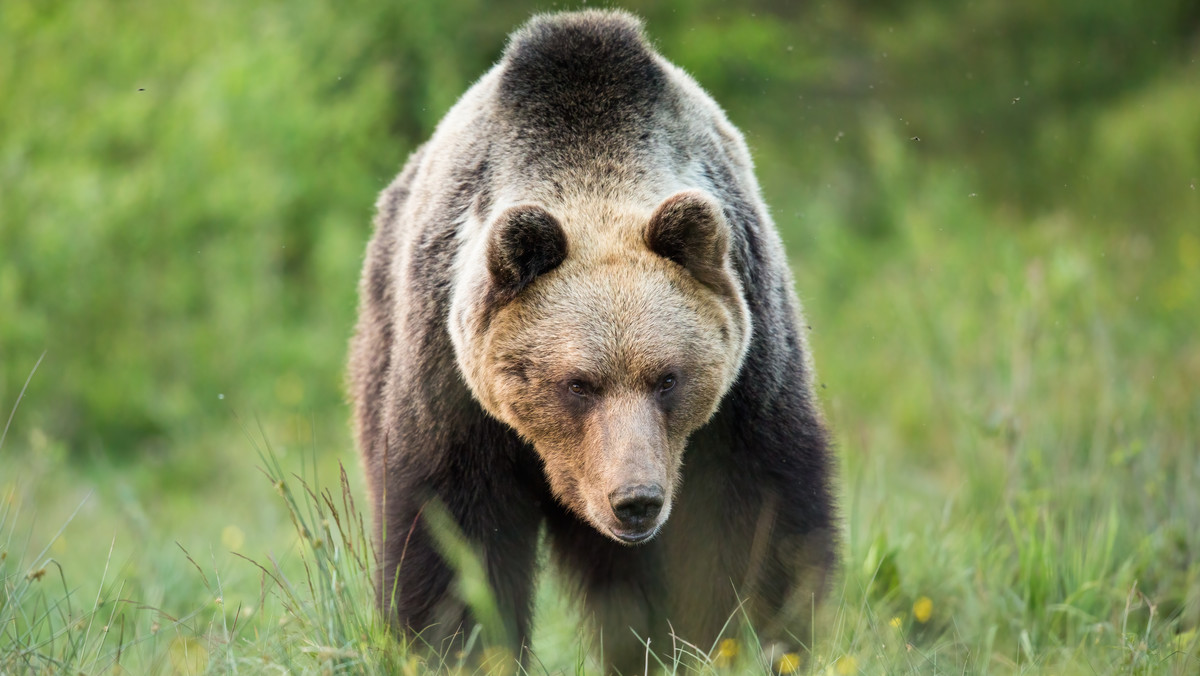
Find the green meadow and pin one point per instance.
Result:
(993, 214)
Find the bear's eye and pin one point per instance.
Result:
(577, 388)
(666, 384)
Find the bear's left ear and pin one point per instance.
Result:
(524, 242)
(689, 229)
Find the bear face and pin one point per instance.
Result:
(605, 338)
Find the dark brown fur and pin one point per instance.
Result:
(588, 134)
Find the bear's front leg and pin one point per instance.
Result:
(792, 577)
(485, 507)
(778, 468)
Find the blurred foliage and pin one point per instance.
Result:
(187, 187)
(992, 212)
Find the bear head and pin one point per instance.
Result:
(604, 335)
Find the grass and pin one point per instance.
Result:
(1017, 431)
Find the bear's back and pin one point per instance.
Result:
(566, 78)
(580, 104)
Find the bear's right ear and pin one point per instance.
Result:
(524, 242)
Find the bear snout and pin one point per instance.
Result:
(636, 508)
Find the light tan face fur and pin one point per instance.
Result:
(606, 364)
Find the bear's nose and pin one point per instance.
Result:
(636, 506)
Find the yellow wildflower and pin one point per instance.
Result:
(727, 650)
(498, 661)
(789, 663)
(846, 665)
(923, 609)
(896, 621)
(232, 538)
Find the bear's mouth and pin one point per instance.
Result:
(634, 537)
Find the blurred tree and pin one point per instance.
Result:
(186, 188)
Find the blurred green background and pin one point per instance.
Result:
(992, 208)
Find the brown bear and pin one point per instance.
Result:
(577, 318)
